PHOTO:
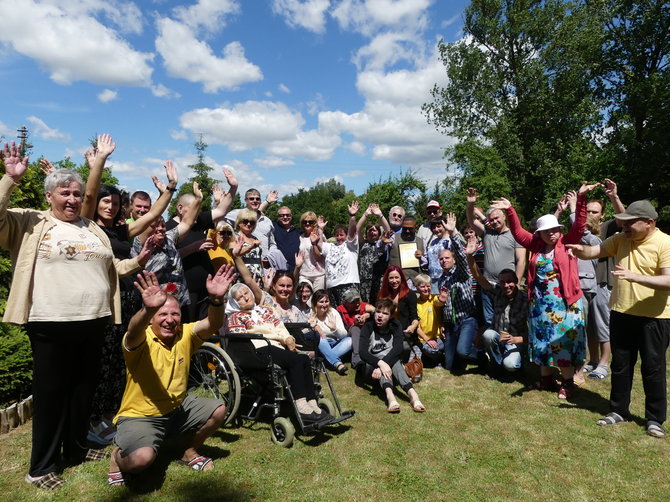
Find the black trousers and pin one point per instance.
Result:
(629, 335)
(298, 370)
(66, 367)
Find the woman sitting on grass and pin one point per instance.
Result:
(334, 341)
(381, 346)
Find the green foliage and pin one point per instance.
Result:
(15, 363)
(402, 190)
(201, 175)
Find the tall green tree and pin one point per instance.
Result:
(201, 175)
(519, 99)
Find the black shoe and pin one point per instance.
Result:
(310, 418)
(483, 360)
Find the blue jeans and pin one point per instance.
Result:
(459, 340)
(506, 355)
(333, 349)
(487, 307)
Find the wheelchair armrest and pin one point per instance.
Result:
(244, 336)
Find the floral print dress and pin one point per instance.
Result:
(557, 334)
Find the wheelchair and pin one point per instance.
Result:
(249, 384)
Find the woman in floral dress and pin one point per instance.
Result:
(557, 334)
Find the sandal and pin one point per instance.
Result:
(418, 406)
(51, 481)
(589, 367)
(393, 407)
(611, 419)
(198, 463)
(567, 389)
(600, 373)
(654, 429)
(341, 369)
(117, 478)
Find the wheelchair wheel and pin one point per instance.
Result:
(327, 405)
(283, 432)
(213, 375)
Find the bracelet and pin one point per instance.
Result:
(171, 189)
(215, 303)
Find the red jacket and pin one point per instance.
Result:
(564, 264)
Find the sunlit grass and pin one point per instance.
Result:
(479, 440)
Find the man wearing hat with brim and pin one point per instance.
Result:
(433, 211)
(640, 316)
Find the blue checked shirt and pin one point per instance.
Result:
(461, 301)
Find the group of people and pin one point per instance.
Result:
(134, 296)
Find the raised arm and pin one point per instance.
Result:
(612, 195)
(227, 198)
(217, 287)
(15, 168)
(477, 225)
(361, 223)
(153, 298)
(470, 250)
(166, 192)
(272, 197)
(245, 275)
(353, 209)
(191, 213)
(520, 234)
(96, 162)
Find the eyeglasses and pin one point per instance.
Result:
(248, 222)
(432, 210)
(396, 215)
(408, 229)
(253, 198)
(227, 233)
(308, 222)
(285, 215)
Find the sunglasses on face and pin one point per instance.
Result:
(284, 215)
(309, 222)
(248, 222)
(253, 198)
(432, 211)
(227, 233)
(408, 229)
(396, 215)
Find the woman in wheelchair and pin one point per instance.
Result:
(381, 347)
(245, 315)
(334, 341)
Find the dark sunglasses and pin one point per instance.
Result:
(225, 232)
(408, 229)
(248, 222)
(253, 198)
(308, 222)
(284, 215)
(396, 215)
(432, 211)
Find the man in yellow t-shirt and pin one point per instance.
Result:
(158, 349)
(640, 316)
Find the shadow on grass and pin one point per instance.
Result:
(198, 489)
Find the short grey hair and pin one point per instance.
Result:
(62, 178)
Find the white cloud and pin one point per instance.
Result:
(370, 16)
(178, 135)
(191, 59)
(6, 131)
(43, 131)
(284, 89)
(357, 147)
(356, 173)
(209, 15)
(108, 95)
(269, 125)
(308, 14)
(387, 49)
(69, 42)
(160, 91)
(272, 161)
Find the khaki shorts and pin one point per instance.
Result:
(133, 433)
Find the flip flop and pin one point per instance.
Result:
(418, 406)
(117, 478)
(611, 419)
(600, 373)
(198, 463)
(393, 407)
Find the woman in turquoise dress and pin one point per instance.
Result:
(557, 334)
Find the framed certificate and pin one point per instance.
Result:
(407, 258)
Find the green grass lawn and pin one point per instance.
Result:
(479, 440)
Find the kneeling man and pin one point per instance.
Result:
(157, 349)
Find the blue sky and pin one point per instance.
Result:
(285, 92)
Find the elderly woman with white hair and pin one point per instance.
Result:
(557, 334)
(65, 288)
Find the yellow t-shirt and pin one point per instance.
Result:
(157, 375)
(430, 315)
(647, 258)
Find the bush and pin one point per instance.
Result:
(16, 364)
